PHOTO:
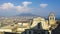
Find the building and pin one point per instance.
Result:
(39, 25)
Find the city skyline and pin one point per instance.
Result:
(37, 7)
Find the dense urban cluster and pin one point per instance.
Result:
(26, 24)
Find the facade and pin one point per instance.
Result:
(39, 25)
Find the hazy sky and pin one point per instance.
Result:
(38, 7)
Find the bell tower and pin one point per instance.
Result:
(52, 19)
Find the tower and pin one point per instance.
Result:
(52, 19)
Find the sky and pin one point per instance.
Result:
(37, 7)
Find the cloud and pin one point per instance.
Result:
(26, 3)
(11, 7)
(6, 6)
(23, 9)
(43, 5)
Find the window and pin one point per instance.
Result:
(29, 32)
(39, 25)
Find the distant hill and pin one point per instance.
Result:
(27, 14)
(30, 14)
